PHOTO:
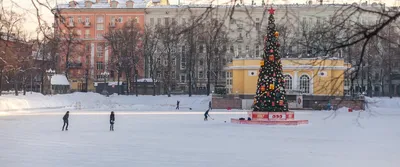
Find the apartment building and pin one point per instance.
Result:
(89, 21)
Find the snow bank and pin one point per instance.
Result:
(382, 103)
(96, 101)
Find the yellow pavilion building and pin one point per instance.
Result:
(303, 76)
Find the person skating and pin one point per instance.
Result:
(65, 119)
(112, 120)
(177, 104)
(209, 105)
(206, 115)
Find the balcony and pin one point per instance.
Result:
(74, 65)
(71, 24)
(86, 24)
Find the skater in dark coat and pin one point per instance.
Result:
(209, 105)
(65, 119)
(177, 105)
(112, 120)
(206, 115)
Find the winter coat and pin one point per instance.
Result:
(112, 118)
(66, 116)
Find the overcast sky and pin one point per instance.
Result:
(26, 8)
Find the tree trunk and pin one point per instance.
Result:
(208, 74)
(118, 80)
(1, 81)
(42, 82)
(128, 81)
(16, 87)
(135, 80)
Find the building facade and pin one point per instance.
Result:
(313, 76)
(91, 19)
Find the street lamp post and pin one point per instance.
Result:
(50, 73)
(105, 74)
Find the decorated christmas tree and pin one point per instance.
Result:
(270, 95)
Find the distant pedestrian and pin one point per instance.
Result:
(177, 104)
(112, 120)
(206, 115)
(65, 119)
(209, 105)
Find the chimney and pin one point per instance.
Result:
(72, 4)
(113, 3)
(129, 4)
(88, 3)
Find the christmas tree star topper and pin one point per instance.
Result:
(271, 11)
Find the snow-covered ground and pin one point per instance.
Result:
(150, 132)
(95, 101)
(181, 139)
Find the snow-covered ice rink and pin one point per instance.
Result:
(183, 139)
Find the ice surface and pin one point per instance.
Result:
(174, 140)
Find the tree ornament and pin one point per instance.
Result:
(276, 34)
(271, 86)
(272, 51)
(278, 44)
(262, 63)
(263, 88)
(272, 103)
(271, 57)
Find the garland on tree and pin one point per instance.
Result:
(270, 94)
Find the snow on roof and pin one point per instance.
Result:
(58, 79)
(121, 4)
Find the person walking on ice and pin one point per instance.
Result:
(177, 104)
(112, 120)
(65, 119)
(206, 115)
(209, 105)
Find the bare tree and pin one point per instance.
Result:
(126, 44)
(150, 43)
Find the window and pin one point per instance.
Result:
(258, 26)
(232, 49)
(247, 48)
(87, 21)
(79, 19)
(346, 82)
(305, 84)
(87, 47)
(257, 51)
(100, 26)
(87, 33)
(158, 20)
(100, 19)
(151, 21)
(99, 77)
(100, 48)
(78, 32)
(201, 62)
(158, 74)
(173, 75)
(99, 36)
(239, 49)
(257, 19)
(120, 19)
(173, 61)
(201, 49)
(183, 78)
(174, 21)
(288, 82)
(201, 74)
(183, 62)
(100, 65)
(166, 20)
(71, 20)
